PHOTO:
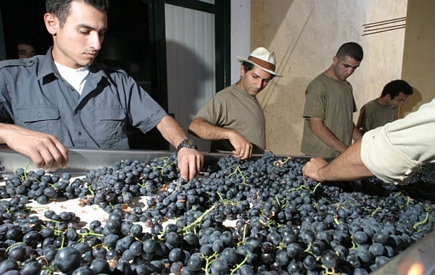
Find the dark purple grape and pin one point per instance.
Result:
(295, 266)
(176, 267)
(172, 238)
(294, 250)
(309, 262)
(360, 237)
(31, 268)
(195, 262)
(12, 272)
(83, 270)
(17, 253)
(267, 258)
(176, 254)
(67, 259)
(330, 259)
(7, 265)
(149, 245)
(220, 267)
(377, 249)
(245, 270)
(229, 255)
(136, 248)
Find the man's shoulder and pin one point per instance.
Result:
(322, 77)
(17, 63)
(113, 73)
(226, 92)
(109, 69)
(374, 103)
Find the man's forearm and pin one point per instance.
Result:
(171, 130)
(326, 136)
(347, 166)
(357, 134)
(205, 130)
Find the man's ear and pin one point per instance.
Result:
(51, 23)
(242, 70)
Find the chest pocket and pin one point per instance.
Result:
(44, 119)
(109, 127)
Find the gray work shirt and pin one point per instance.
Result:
(35, 96)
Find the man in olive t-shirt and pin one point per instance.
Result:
(329, 105)
(384, 109)
(233, 119)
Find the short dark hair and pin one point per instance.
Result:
(247, 66)
(26, 41)
(61, 8)
(351, 49)
(395, 87)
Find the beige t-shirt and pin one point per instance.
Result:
(235, 109)
(332, 100)
(394, 152)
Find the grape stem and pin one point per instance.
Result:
(199, 219)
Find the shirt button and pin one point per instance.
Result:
(79, 133)
(39, 114)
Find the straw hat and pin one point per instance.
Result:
(261, 58)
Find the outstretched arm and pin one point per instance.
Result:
(190, 161)
(205, 130)
(45, 150)
(347, 166)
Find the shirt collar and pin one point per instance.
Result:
(49, 72)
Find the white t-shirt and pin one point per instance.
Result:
(75, 77)
(394, 152)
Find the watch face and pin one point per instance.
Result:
(190, 142)
(187, 143)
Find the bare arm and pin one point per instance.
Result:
(205, 130)
(325, 135)
(357, 134)
(190, 161)
(45, 150)
(347, 166)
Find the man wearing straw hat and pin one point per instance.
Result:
(233, 119)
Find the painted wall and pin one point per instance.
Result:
(240, 34)
(419, 53)
(305, 35)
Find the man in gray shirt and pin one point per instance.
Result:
(67, 100)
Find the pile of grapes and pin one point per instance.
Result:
(238, 217)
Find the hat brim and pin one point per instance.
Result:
(242, 59)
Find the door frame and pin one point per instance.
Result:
(221, 10)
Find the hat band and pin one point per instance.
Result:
(262, 63)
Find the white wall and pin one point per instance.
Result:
(240, 34)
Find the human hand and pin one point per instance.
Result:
(190, 163)
(311, 169)
(242, 147)
(45, 150)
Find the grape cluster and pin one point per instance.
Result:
(259, 216)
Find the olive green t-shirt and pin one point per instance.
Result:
(373, 114)
(235, 109)
(332, 100)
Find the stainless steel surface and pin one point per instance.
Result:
(81, 159)
(86, 159)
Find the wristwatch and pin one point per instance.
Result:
(187, 143)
